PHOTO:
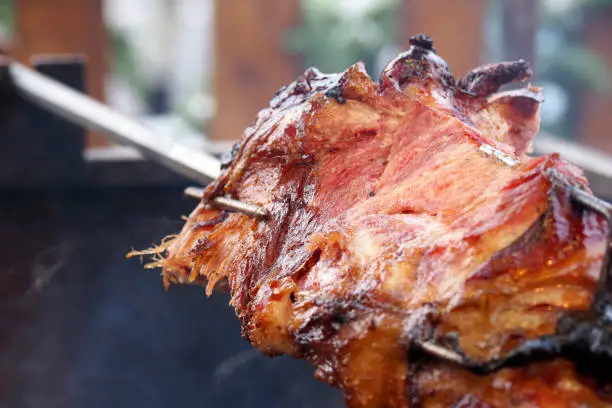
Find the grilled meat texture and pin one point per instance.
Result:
(402, 210)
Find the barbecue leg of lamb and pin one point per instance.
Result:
(405, 212)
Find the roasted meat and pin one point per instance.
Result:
(405, 212)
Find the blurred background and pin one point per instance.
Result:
(204, 68)
(80, 325)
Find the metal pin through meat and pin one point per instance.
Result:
(441, 352)
(194, 192)
(230, 204)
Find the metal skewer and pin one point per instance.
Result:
(194, 192)
(82, 110)
(230, 204)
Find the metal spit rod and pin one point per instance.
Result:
(195, 164)
(83, 110)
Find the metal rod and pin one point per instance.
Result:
(588, 159)
(440, 352)
(194, 192)
(227, 203)
(81, 109)
(240, 206)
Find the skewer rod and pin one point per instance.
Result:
(81, 109)
(226, 203)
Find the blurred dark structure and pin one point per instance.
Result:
(65, 27)
(33, 140)
(81, 326)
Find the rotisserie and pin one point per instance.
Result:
(405, 218)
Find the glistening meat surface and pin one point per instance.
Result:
(401, 211)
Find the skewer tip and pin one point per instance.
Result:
(194, 192)
(230, 204)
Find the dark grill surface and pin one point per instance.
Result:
(81, 326)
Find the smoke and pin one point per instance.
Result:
(47, 263)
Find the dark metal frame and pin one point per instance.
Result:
(41, 150)
(76, 107)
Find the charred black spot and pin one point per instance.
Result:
(331, 315)
(335, 93)
(211, 222)
(416, 361)
(420, 64)
(302, 86)
(589, 345)
(569, 322)
(423, 41)
(201, 245)
(422, 324)
(228, 157)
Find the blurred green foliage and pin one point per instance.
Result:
(336, 34)
(124, 63)
(564, 59)
(6, 15)
(568, 60)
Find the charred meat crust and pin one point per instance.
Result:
(228, 157)
(394, 221)
(583, 337)
(420, 64)
(335, 93)
(488, 79)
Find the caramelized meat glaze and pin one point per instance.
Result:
(402, 210)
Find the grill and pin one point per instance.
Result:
(82, 326)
